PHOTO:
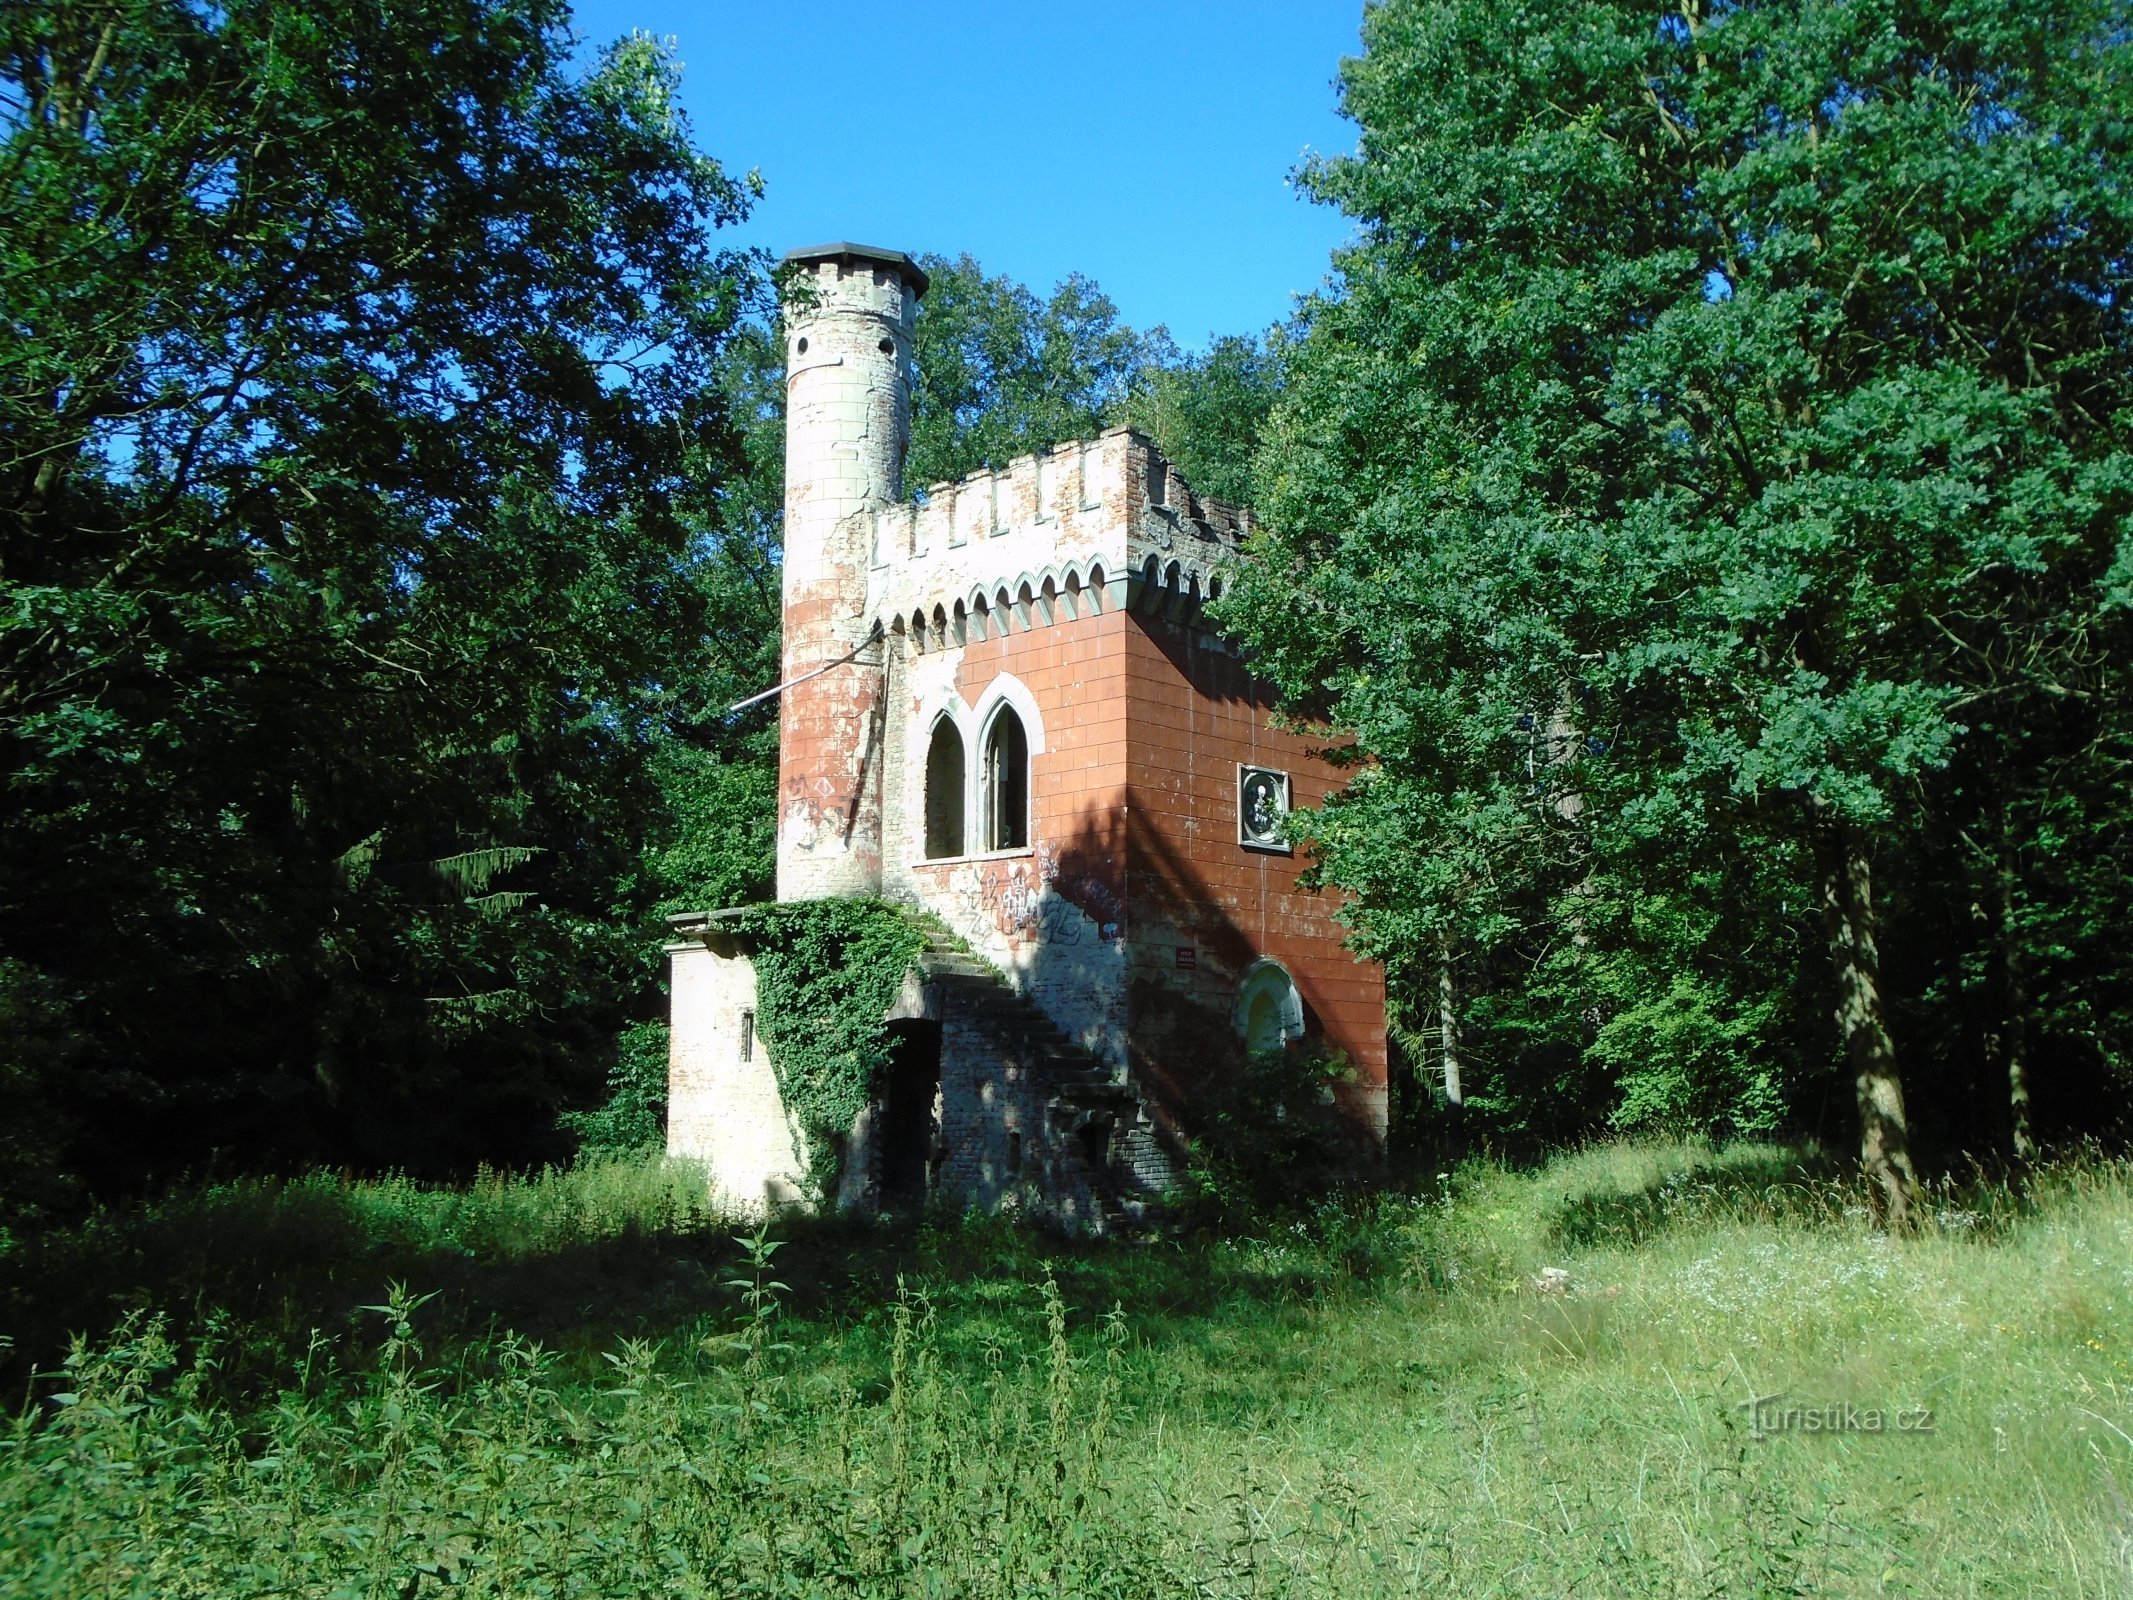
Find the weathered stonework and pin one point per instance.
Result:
(1064, 589)
(847, 421)
(723, 1106)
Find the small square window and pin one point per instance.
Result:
(1262, 808)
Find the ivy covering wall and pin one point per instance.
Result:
(826, 973)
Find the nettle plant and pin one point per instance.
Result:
(826, 973)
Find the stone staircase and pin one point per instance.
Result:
(1084, 1104)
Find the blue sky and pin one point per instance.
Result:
(1147, 146)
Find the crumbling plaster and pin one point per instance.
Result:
(722, 1109)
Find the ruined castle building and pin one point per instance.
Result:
(1004, 705)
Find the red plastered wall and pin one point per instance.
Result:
(1195, 715)
(1075, 670)
(1134, 817)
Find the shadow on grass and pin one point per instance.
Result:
(260, 1266)
(1802, 1188)
(1755, 1184)
(583, 1260)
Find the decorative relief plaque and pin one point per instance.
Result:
(1262, 806)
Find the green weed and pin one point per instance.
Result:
(1516, 1383)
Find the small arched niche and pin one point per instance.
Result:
(1269, 1011)
(1004, 793)
(944, 790)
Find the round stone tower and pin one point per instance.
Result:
(847, 421)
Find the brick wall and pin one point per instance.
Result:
(1135, 852)
(1050, 916)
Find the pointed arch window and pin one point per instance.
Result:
(944, 790)
(1005, 793)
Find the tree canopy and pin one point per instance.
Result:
(1706, 491)
(1002, 372)
(362, 438)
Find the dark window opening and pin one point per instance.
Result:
(747, 1035)
(888, 347)
(944, 791)
(803, 344)
(1006, 783)
(1014, 1155)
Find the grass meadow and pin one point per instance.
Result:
(1530, 1383)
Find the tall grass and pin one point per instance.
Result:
(1523, 1383)
(724, 1470)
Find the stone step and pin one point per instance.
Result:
(1074, 1077)
(960, 967)
(1069, 1063)
(1091, 1088)
(1077, 1083)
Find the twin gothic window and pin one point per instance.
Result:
(1003, 787)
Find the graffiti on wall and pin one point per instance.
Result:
(1038, 922)
(1028, 900)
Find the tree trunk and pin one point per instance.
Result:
(1862, 1021)
(1448, 1024)
(2014, 1006)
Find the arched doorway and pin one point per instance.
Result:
(1269, 1011)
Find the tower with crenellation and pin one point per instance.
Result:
(1004, 704)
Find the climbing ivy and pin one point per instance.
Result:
(826, 973)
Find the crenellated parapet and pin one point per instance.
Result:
(1101, 524)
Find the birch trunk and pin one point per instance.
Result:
(1448, 1024)
(2014, 1009)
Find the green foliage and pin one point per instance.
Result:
(1680, 1064)
(1688, 1037)
(1708, 467)
(494, 1476)
(1002, 373)
(826, 973)
(633, 1117)
(715, 845)
(1207, 413)
(36, 1050)
(941, 1410)
(718, 845)
(367, 481)
(1268, 1139)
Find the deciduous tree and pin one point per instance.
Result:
(358, 435)
(1738, 396)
